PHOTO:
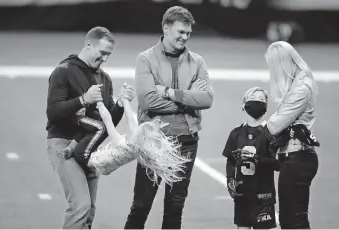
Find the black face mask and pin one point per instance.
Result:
(255, 109)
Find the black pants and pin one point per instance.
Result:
(175, 196)
(93, 134)
(296, 175)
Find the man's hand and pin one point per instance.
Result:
(93, 94)
(232, 185)
(127, 92)
(160, 89)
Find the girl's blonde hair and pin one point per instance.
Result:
(283, 62)
(155, 151)
(158, 153)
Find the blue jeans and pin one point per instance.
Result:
(296, 175)
(145, 191)
(80, 188)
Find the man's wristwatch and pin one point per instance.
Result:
(165, 93)
(84, 103)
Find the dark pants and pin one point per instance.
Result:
(93, 135)
(296, 175)
(175, 196)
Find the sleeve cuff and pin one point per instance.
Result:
(178, 95)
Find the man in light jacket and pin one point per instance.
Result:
(172, 84)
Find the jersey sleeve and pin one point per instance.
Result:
(231, 144)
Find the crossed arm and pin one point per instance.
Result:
(199, 95)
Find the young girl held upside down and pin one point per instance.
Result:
(148, 144)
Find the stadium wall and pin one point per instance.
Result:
(144, 16)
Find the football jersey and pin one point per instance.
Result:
(258, 179)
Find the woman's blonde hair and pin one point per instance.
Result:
(283, 61)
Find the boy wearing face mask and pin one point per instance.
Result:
(250, 166)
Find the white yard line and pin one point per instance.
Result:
(44, 196)
(216, 175)
(128, 73)
(12, 156)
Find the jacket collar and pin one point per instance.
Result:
(161, 49)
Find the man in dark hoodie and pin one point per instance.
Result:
(78, 82)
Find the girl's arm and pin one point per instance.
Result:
(107, 119)
(130, 115)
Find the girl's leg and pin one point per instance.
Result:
(130, 115)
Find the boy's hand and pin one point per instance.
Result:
(232, 185)
(237, 156)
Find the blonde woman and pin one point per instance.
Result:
(294, 90)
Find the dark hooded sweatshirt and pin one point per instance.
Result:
(67, 83)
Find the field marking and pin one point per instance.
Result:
(12, 156)
(44, 196)
(128, 73)
(223, 198)
(216, 175)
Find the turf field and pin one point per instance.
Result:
(30, 195)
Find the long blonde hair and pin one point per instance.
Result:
(158, 153)
(283, 62)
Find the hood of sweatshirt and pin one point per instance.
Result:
(75, 60)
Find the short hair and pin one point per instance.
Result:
(177, 13)
(97, 33)
(251, 91)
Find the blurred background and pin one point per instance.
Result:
(294, 20)
(231, 35)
